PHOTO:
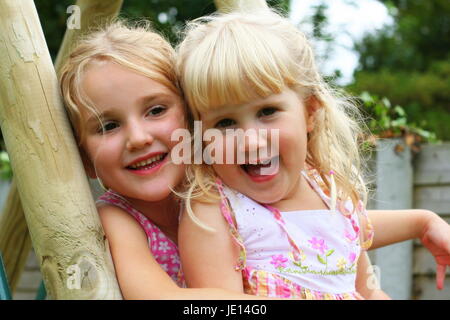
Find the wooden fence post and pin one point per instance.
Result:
(394, 180)
(65, 229)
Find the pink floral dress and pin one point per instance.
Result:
(308, 254)
(163, 249)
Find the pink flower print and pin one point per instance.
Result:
(350, 237)
(164, 246)
(281, 289)
(279, 261)
(318, 244)
(174, 259)
(355, 226)
(352, 257)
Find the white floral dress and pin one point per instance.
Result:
(309, 254)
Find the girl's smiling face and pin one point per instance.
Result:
(285, 112)
(129, 150)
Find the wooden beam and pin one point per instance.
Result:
(93, 14)
(246, 5)
(65, 229)
(15, 241)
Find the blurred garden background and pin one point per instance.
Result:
(392, 55)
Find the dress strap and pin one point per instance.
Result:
(297, 252)
(315, 180)
(227, 213)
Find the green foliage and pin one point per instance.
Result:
(167, 16)
(424, 96)
(385, 120)
(5, 166)
(409, 62)
(419, 36)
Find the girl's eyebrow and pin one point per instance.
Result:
(151, 97)
(230, 110)
(146, 99)
(219, 113)
(94, 118)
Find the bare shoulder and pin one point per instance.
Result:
(116, 221)
(202, 214)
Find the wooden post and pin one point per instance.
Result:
(231, 5)
(92, 14)
(15, 241)
(394, 179)
(65, 229)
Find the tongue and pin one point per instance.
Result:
(256, 170)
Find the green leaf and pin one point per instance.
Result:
(330, 252)
(4, 156)
(400, 111)
(297, 263)
(321, 259)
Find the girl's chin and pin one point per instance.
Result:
(264, 198)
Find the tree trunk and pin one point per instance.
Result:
(246, 5)
(65, 229)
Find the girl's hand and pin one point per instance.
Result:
(436, 238)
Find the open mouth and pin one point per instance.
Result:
(267, 167)
(149, 163)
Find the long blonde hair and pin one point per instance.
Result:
(236, 57)
(136, 47)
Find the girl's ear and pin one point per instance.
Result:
(88, 165)
(312, 104)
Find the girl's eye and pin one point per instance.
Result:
(225, 123)
(156, 110)
(107, 126)
(265, 112)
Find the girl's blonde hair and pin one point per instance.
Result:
(137, 48)
(234, 58)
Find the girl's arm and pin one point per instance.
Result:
(138, 273)
(366, 282)
(209, 258)
(393, 226)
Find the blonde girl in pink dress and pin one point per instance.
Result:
(122, 96)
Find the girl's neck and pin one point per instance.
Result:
(163, 213)
(302, 197)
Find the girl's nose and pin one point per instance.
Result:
(255, 140)
(138, 137)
